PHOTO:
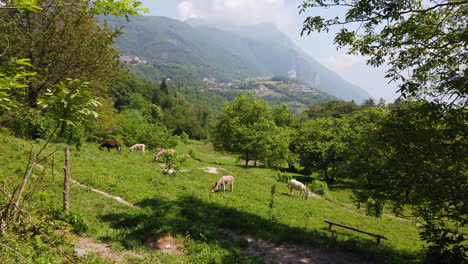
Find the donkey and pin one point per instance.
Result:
(223, 181)
(298, 186)
(138, 146)
(110, 144)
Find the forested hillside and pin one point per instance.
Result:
(225, 52)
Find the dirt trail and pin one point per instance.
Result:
(117, 198)
(292, 254)
(90, 245)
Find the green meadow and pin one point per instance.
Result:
(183, 206)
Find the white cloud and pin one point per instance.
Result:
(241, 11)
(344, 61)
(186, 10)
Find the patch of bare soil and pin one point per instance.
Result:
(291, 254)
(167, 244)
(210, 170)
(84, 245)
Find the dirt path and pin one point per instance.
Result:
(292, 254)
(87, 244)
(117, 198)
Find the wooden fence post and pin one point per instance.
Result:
(53, 168)
(66, 182)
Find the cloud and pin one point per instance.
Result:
(186, 10)
(343, 61)
(241, 11)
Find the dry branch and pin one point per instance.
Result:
(37, 229)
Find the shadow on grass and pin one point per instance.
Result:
(201, 221)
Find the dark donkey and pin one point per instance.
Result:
(109, 145)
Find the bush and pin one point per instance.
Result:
(184, 137)
(75, 220)
(27, 123)
(137, 130)
(374, 207)
(319, 187)
(281, 177)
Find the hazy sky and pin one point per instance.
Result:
(285, 15)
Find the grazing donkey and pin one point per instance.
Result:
(298, 186)
(223, 181)
(138, 146)
(110, 144)
(161, 152)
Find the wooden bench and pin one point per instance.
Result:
(355, 229)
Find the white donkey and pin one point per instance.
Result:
(298, 186)
(223, 181)
(138, 146)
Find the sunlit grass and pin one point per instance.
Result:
(184, 206)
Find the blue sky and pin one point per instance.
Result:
(285, 15)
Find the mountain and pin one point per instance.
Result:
(197, 49)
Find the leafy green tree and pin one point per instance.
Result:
(321, 145)
(136, 129)
(417, 157)
(424, 45)
(369, 102)
(282, 116)
(334, 108)
(62, 40)
(423, 42)
(247, 127)
(13, 81)
(381, 102)
(68, 102)
(164, 87)
(106, 7)
(107, 125)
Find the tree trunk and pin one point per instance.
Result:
(63, 126)
(32, 97)
(66, 182)
(247, 158)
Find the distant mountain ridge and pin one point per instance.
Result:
(226, 52)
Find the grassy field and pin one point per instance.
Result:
(183, 206)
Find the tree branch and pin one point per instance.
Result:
(17, 253)
(36, 228)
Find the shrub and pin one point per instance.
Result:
(319, 187)
(281, 177)
(374, 207)
(75, 220)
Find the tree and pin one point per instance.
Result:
(135, 129)
(417, 157)
(63, 41)
(247, 127)
(334, 108)
(423, 42)
(321, 145)
(163, 86)
(369, 102)
(13, 81)
(381, 102)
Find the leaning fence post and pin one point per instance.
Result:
(66, 182)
